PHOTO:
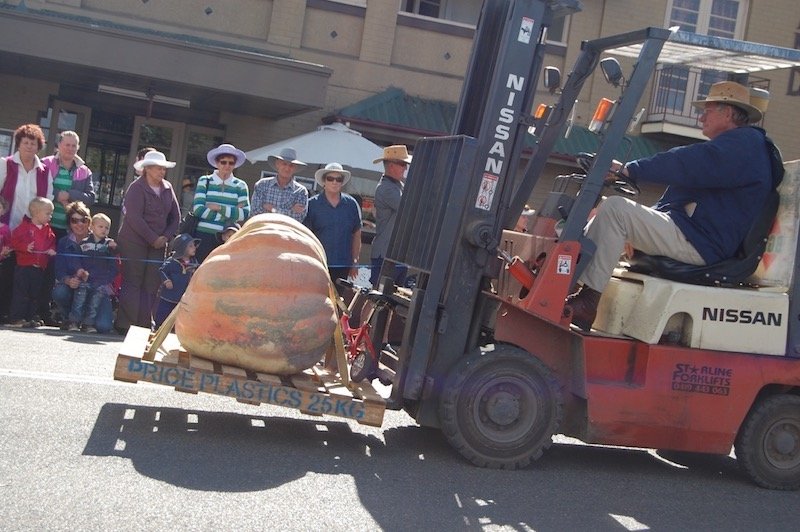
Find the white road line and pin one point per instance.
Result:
(60, 377)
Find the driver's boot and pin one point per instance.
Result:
(584, 307)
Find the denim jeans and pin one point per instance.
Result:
(63, 295)
(79, 299)
(94, 301)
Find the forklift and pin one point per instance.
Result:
(481, 346)
(487, 353)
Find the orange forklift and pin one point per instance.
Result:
(679, 358)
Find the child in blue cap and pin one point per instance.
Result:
(176, 272)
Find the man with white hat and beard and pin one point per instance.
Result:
(716, 190)
(395, 161)
(281, 193)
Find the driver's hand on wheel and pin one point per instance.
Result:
(617, 169)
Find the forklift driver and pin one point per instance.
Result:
(715, 191)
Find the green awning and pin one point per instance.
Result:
(393, 108)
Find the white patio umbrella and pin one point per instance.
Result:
(329, 143)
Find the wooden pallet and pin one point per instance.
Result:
(316, 391)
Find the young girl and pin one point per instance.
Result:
(176, 272)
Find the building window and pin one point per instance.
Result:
(677, 87)
(721, 18)
(557, 32)
(429, 8)
(463, 11)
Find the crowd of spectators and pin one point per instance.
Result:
(59, 267)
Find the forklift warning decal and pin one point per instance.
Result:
(702, 379)
(564, 266)
(486, 192)
(525, 30)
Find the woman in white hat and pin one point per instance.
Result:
(335, 217)
(150, 218)
(221, 199)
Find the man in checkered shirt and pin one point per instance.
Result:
(281, 194)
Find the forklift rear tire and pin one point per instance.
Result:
(500, 408)
(768, 444)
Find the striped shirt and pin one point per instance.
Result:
(62, 181)
(282, 199)
(231, 194)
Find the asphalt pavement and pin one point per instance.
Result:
(81, 451)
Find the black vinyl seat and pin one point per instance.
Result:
(730, 272)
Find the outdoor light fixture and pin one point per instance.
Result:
(141, 95)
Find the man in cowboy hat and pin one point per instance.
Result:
(387, 202)
(335, 217)
(716, 189)
(281, 193)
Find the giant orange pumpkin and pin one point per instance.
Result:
(261, 301)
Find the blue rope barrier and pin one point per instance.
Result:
(114, 258)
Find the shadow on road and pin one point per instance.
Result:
(74, 337)
(411, 479)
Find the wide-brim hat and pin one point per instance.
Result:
(759, 98)
(331, 168)
(226, 149)
(731, 93)
(153, 158)
(397, 152)
(287, 154)
(181, 242)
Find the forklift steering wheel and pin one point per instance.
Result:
(622, 184)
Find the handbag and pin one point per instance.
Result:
(189, 223)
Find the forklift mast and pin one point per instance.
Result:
(458, 193)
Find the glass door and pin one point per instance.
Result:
(109, 165)
(167, 137)
(66, 116)
(185, 144)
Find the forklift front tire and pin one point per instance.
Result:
(768, 444)
(501, 408)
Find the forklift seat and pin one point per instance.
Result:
(729, 272)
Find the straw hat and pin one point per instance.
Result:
(226, 149)
(397, 152)
(331, 168)
(759, 98)
(731, 93)
(287, 154)
(153, 158)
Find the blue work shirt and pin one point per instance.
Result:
(334, 226)
(726, 180)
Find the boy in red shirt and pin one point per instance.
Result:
(34, 243)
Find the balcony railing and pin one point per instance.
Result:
(676, 87)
